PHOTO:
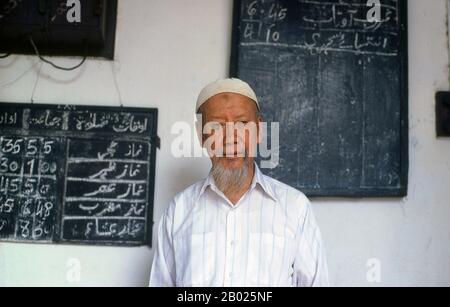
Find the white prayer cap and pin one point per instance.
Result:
(235, 86)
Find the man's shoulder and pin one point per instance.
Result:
(188, 195)
(191, 191)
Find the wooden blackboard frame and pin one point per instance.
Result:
(152, 138)
(404, 105)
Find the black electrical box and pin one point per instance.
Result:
(443, 114)
(58, 27)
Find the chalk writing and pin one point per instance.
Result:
(28, 176)
(106, 192)
(114, 122)
(332, 26)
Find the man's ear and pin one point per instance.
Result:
(260, 130)
(199, 129)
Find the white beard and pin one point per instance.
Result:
(230, 181)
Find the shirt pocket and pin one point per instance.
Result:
(195, 259)
(266, 259)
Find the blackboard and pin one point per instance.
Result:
(77, 175)
(338, 86)
(59, 27)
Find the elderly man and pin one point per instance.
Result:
(238, 227)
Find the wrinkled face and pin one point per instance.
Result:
(231, 127)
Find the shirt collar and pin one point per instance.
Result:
(261, 179)
(258, 178)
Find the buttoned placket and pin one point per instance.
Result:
(230, 246)
(230, 234)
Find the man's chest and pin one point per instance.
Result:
(252, 244)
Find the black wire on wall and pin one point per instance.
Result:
(36, 50)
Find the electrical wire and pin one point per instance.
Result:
(36, 83)
(36, 50)
(4, 56)
(116, 84)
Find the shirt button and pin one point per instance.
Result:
(232, 243)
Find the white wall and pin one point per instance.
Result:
(166, 51)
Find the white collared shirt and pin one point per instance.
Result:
(268, 239)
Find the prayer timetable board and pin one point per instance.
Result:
(76, 174)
